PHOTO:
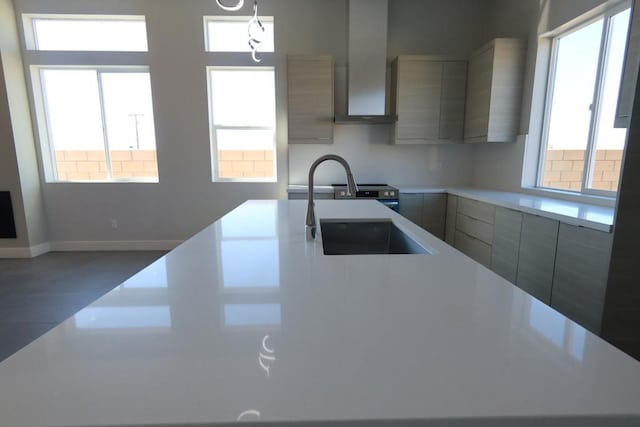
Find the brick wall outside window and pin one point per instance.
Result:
(91, 165)
(563, 169)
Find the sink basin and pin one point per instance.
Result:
(365, 237)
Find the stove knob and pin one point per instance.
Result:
(386, 193)
(392, 193)
(343, 193)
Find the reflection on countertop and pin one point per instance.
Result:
(248, 320)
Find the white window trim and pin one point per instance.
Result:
(596, 102)
(30, 31)
(215, 175)
(103, 61)
(231, 18)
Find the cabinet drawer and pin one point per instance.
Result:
(473, 248)
(475, 228)
(478, 210)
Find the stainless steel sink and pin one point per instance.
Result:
(364, 237)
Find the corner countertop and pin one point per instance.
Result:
(248, 321)
(575, 213)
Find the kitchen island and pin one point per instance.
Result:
(247, 321)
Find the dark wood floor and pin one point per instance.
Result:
(39, 293)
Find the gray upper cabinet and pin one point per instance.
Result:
(506, 243)
(536, 257)
(630, 70)
(580, 276)
(428, 95)
(494, 92)
(310, 99)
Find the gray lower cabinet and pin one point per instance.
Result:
(506, 243)
(434, 211)
(475, 249)
(411, 207)
(450, 224)
(536, 257)
(305, 196)
(474, 229)
(426, 210)
(580, 276)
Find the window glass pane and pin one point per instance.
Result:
(609, 141)
(243, 97)
(232, 36)
(72, 102)
(126, 35)
(129, 118)
(570, 115)
(245, 153)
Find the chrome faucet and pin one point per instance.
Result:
(311, 226)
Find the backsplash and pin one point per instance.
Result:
(374, 160)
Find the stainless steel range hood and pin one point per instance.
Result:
(367, 68)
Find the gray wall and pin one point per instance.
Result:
(500, 166)
(185, 199)
(451, 27)
(18, 160)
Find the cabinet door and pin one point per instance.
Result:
(450, 224)
(454, 90)
(310, 99)
(419, 87)
(536, 257)
(411, 207)
(434, 208)
(506, 243)
(630, 71)
(581, 272)
(476, 122)
(477, 210)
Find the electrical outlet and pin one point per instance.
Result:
(114, 224)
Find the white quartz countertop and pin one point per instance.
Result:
(574, 213)
(247, 321)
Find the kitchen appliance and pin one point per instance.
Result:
(385, 194)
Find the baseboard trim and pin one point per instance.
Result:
(25, 252)
(40, 249)
(114, 245)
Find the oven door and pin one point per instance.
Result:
(393, 204)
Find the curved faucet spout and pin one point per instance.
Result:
(352, 189)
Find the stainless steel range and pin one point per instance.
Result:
(385, 194)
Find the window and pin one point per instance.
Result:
(241, 102)
(95, 122)
(229, 34)
(581, 149)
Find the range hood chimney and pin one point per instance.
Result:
(367, 67)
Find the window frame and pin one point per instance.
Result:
(239, 61)
(102, 61)
(596, 103)
(41, 99)
(215, 173)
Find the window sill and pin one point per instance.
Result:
(571, 196)
(120, 181)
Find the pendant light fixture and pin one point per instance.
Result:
(238, 6)
(255, 31)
